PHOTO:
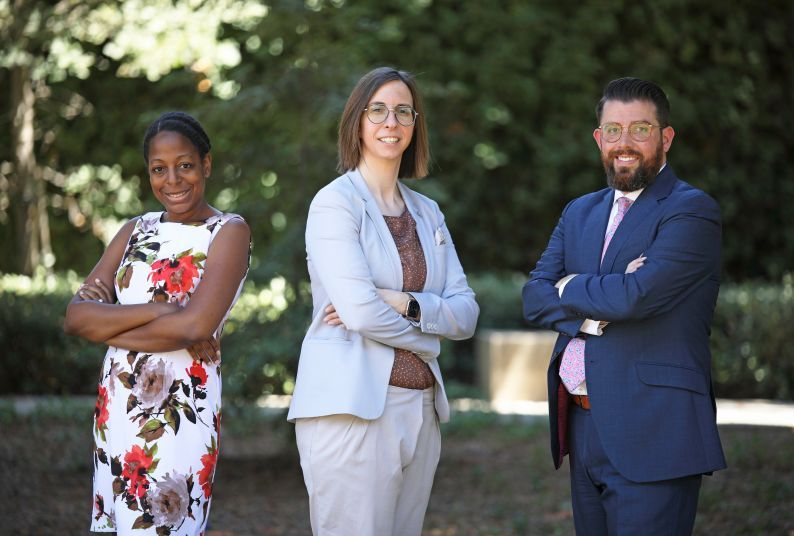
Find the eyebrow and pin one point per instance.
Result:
(398, 104)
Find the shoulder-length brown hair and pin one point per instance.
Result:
(416, 158)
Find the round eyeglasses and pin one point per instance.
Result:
(638, 131)
(378, 112)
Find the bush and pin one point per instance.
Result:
(38, 357)
(751, 343)
(261, 342)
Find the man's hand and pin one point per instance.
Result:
(636, 264)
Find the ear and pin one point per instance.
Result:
(667, 138)
(597, 137)
(206, 165)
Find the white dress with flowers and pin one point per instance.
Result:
(157, 416)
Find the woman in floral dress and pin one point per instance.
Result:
(158, 298)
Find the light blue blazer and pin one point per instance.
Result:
(350, 253)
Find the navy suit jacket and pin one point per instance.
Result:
(649, 374)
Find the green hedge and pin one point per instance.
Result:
(752, 356)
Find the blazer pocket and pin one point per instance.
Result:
(665, 375)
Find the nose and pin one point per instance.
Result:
(391, 118)
(172, 175)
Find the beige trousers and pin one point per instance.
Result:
(371, 478)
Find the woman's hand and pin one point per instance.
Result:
(636, 264)
(208, 351)
(395, 299)
(332, 317)
(96, 292)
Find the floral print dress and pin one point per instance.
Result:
(157, 416)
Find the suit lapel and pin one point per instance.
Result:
(375, 217)
(646, 203)
(593, 233)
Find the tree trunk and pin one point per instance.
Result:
(28, 190)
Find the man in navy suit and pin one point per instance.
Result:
(630, 280)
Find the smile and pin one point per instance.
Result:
(176, 196)
(390, 139)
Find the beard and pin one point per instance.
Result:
(625, 180)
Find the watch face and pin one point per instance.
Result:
(413, 309)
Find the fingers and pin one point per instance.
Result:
(636, 264)
(333, 319)
(97, 292)
(90, 292)
(206, 351)
(107, 294)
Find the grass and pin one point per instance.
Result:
(495, 478)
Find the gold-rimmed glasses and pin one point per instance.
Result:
(377, 113)
(639, 131)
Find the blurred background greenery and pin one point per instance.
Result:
(510, 88)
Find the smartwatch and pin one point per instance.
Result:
(412, 311)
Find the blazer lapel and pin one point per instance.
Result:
(374, 215)
(646, 203)
(593, 234)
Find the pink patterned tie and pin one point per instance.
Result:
(572, 365)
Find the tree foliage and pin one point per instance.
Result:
(510, 88)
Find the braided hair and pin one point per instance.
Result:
(181, 123)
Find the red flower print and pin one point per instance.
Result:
(197, 373)
(177, 274)
(101, 413)
(206, 473)
(136, 466)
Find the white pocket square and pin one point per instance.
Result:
(441, 238)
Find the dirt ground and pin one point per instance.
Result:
(494, 479)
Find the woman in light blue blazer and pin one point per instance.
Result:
(387, 285)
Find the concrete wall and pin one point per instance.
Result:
(511, 365)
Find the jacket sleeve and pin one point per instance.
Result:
(332, 242)
(684, 254)
(542, 307)
(454, 313)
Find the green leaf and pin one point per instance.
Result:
(172, 418)
(152, 430)
(189, 414)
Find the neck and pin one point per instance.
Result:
(199, 215)
(381, 179)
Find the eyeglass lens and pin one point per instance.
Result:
(638, 131)
(405, 115)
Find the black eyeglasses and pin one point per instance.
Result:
(378, 112)
(639, 131)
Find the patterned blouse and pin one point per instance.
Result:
(409, 371)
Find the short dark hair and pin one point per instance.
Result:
(181, 123)
(416, 158)
(631, 89)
